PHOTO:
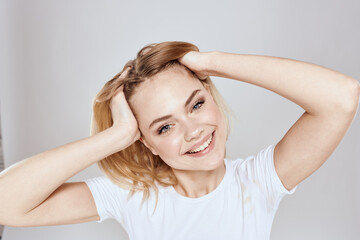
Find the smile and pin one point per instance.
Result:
(205, 148)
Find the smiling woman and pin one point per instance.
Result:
(195, 110)
(159, 133)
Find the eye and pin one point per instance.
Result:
(198, 105)
(163, 129)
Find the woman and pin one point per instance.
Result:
(159, 135)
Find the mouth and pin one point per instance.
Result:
(204, 148)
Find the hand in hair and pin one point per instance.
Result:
(123, 117)
(196, 62)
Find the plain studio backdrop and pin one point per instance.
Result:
(56, 55)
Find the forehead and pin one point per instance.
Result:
(163, 94)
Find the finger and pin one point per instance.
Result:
(181, 60)
(202, 78)
(117, 92)
(184, 59)
(124, 73)
(121, 88)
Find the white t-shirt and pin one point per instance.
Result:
(241, 207)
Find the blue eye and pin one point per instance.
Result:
(198, 105)
(163, 129)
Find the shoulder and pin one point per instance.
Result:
(255, 165)
(263, 154)
(104, 185)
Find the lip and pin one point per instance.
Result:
(205, 151)
(200, 143)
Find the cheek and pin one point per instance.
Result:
(216, 118)
(169, 145)
(213, 114)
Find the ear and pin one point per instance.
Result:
(148, 146)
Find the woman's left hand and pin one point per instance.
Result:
(198, 62)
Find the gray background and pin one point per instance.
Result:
(56, 55)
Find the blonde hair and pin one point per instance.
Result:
(135, 167)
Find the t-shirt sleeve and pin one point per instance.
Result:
(109, 198)
(262, 171)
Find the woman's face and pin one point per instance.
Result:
(177, 114)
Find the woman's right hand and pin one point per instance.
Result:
(51, 170)
(123, 118)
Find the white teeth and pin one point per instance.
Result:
(202, 147)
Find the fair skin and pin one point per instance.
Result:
(330, 100)
(188, 126)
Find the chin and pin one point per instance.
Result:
(216, 161)
(220, 160)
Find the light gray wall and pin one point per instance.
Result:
(56, 55)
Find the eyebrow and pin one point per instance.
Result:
(169, 116)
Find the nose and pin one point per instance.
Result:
(193, 132)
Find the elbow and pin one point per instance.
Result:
(358, 90)
(356, 93)
(10, 222)
(351, 103)
(13, 220)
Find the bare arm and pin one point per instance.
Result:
(318, 90)
(33, 191)
(26, 184)
(330, 100)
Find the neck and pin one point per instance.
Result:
(195, 184)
